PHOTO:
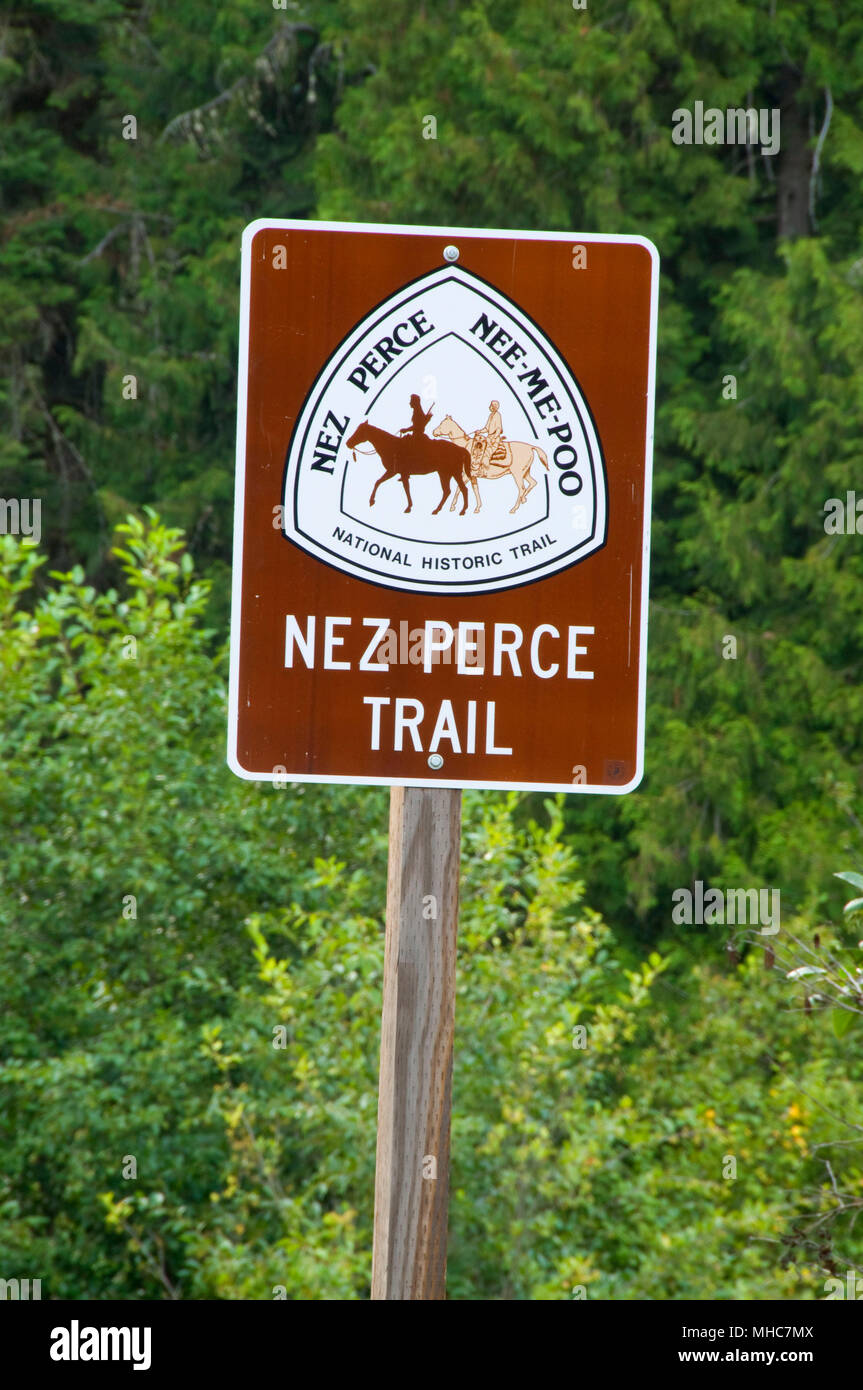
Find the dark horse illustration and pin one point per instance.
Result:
(402, 458)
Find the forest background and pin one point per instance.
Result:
(161, 918)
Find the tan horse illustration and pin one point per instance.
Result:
(514, 457)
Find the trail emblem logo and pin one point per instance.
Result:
(446, 447)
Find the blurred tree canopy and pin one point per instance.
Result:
(136, 141)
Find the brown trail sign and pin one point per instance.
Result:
(440, 578)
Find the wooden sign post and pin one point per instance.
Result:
(414, 1099)
(440, 580)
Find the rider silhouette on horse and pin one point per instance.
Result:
(420, 420)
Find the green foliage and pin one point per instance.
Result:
(151, 1034)
(556, 119)
(121, 255)
(124, 888)
(121, 259)
(149, 1015)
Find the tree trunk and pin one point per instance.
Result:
(792, 179)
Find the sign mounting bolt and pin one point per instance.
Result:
(450, 253)
(435, 761)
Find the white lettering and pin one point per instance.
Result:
(511, 647)
(380, 625)
(305, 644)
(410, 722)
(445, 727)
(376, 701)
(331, 641)
(573, 651)
(431, 646)
(470, 746)
(471, 668)
(544, 672)
(489, 731)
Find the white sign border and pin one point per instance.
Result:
(451, 234)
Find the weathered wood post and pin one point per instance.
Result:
(418, 1020)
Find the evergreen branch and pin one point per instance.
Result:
(105, 242)
(185, 120)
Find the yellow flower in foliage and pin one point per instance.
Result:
(340, 1218)
(513, 1114)
(710, 1117)
(796, 1116)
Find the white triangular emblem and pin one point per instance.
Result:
(446, 447)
